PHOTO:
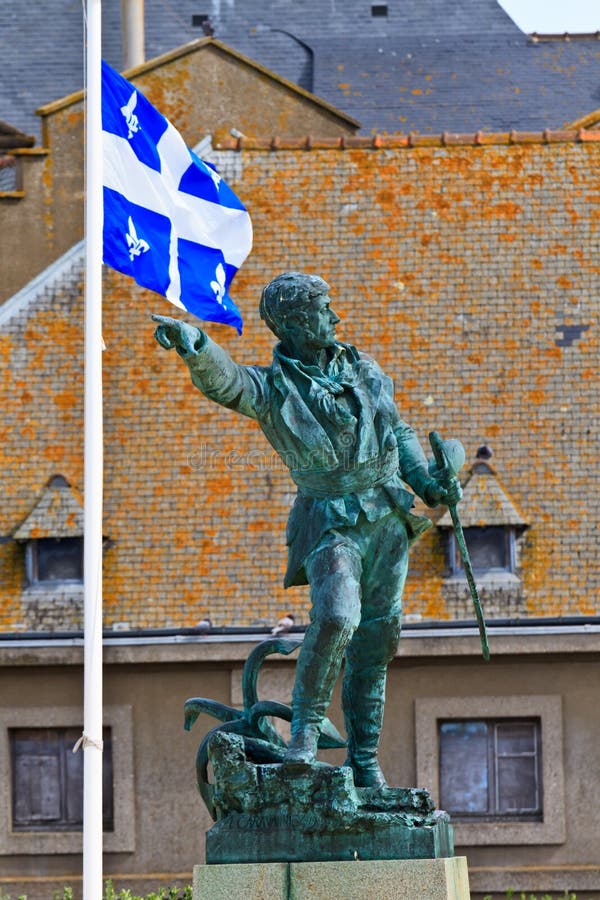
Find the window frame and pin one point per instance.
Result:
(32, 568)
(493, 756)
(551, 829)
(122, 838)
(455, 564)
(59, 746)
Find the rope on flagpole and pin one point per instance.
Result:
(86, 741)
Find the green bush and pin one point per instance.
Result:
(512, 895)
(170, 893)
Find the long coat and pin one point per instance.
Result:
(338, 431)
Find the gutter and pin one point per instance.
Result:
(539, 627)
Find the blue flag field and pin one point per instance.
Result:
(170, 221)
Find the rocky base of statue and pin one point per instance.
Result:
(268, 812)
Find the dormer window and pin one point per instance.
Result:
(492, 526)
(53, 538)
(490, 522)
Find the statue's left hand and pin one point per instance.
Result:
(449, 493)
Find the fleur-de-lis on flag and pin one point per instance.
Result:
(218, 286)
(136, 245)
(197, 230)
(130, 117)
(212, 172)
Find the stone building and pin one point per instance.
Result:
(466, 264)
(400, 65)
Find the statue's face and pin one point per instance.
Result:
(319, 331)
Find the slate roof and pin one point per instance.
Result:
(429, 65)
(484, 501)
(458, 83)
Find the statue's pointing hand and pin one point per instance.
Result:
(171, 333)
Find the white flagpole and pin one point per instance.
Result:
(93, 468)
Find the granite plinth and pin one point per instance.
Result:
(408, 879)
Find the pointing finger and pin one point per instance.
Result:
(167, 320)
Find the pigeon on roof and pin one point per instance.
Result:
(284, 624)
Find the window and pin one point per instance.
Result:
(379, 10)
(491, 548)
(8, 175)
(40, 780)
(490, 768)
(496, 765)
(55, 561)
(47, 779)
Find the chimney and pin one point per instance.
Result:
(132, 32)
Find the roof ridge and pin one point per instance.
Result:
(415, 139)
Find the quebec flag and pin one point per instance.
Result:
(170, 221)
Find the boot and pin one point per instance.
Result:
(363, 698)
(302, 748)
(316, 673)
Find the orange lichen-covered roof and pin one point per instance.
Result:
(468, 271)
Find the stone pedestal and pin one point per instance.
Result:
(405, 879)
(276, 836)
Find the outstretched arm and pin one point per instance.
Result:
(212, 370)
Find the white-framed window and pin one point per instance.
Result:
(497, 763)
(41, 780)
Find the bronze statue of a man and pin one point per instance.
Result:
(328, 411)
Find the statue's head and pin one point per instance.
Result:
(288, 301)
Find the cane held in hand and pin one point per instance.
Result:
(449, 457)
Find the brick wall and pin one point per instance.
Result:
(469, 272)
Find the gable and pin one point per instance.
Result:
(57, 514)
(206, 87)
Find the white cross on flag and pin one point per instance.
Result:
(170, 221)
